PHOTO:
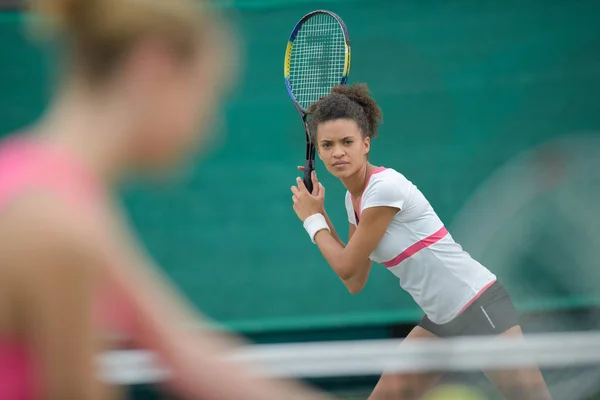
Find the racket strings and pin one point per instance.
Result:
(318, 59)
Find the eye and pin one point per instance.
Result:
(348, 142)
(325, 145)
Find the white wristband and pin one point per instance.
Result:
(314, 224)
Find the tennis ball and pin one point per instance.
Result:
(454, 392)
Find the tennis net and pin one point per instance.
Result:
(570, 363)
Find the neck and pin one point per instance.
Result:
(90, 131)
(357, 182)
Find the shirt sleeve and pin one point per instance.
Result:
(350, 209)
(385, 192)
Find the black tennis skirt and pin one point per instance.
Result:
(491, 314)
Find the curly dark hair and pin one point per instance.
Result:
(347, 101)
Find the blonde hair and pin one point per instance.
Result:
(98, 33)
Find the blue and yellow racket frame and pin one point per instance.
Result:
(309, 164)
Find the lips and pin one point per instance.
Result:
(339, 163)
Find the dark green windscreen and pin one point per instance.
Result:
(464, 87)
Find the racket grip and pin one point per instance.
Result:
(309, 167)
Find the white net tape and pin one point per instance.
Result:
(372, 357)
(317, 60)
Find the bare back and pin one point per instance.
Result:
(49, 275)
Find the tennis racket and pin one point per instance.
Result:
(317, 58)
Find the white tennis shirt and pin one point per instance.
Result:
(441, 277)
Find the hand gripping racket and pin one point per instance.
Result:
(317, 58)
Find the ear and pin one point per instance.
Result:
(367, 144)
(149, 63)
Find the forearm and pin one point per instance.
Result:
(334, 253)
(334, 233)
(203, 373)
(357, 282)
(199, 367)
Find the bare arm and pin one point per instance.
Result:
(333, 231)
(357, 282)
(169, 326)
(54, 272)
(351, 263)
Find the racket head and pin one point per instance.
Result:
(317, 58)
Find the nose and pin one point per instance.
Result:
(338, 152)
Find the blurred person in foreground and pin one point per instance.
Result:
(392, 223)
(140, 81)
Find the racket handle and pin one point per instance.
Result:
(309, 167)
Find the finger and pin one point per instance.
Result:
(315, 182)
(294, 199)
(321, 190)
(301, 186)
(294, 189)
(300, 168)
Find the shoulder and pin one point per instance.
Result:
(50, 259)
(387, 187)
(388, 180)
(39, 228)
(386, 176)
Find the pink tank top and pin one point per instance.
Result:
(26, 164)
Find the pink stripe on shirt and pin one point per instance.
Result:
(416, 247)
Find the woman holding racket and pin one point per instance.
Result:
(392, 223)
(141, 77)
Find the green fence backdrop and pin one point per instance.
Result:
(464, 86)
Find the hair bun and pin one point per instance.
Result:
(361, 95)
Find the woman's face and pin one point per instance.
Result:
(179, 117)
(178, 101)
(342, 147)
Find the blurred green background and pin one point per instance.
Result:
(464, 86)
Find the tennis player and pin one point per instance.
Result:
(140, 78)
(392, 223)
